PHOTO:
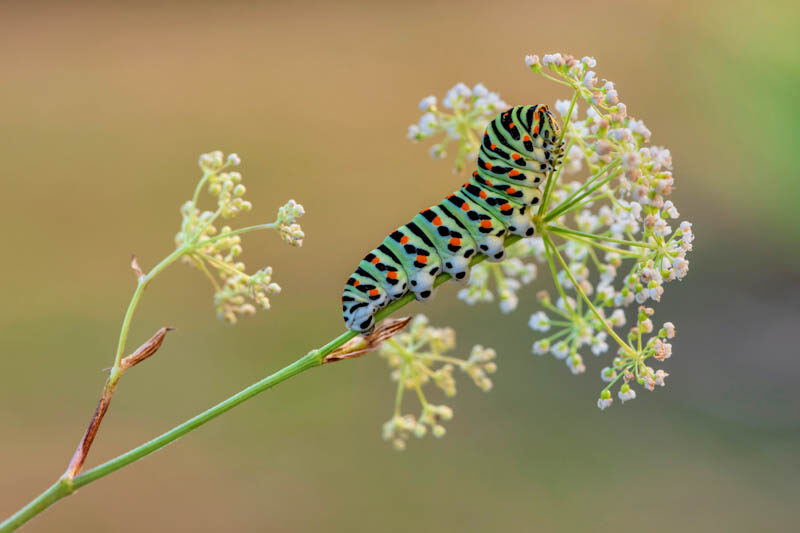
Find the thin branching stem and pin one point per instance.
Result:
(66, 486)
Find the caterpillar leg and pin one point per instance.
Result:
(362, 298)
(358, 313)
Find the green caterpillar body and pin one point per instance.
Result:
(520, 148)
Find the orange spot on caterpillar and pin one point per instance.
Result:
(510, 126)
(376, 260)
(511, 190)
(373, 292)
(489, 183)
(488, 165)
(493, 146)
(392, 275)
(465, 206)
(515, 156)
(505, 207)
(404, 239)
(357, 283)
(513, 173)
(536, 129)
(486, 223)
(437, 221)
(422, 259)
(526, 138)
(483, 194)
(455, 241)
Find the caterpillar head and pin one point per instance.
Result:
(546, 133)
(550, 128)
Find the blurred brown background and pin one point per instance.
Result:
(104, 111)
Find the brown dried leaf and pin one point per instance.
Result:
(359, 346)
(145, 350)
(136, 269)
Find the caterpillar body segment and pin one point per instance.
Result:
(518, 152)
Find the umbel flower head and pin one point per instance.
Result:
(419, 357)
(606, 232)
(216, 252)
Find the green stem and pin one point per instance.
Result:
(271, 225)
(561, 229)
(65, 486)
(137, 294)
(584, 190)
(551, 180)
(594, 309)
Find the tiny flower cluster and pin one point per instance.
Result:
(630, 365)
(215, 252)
(465, 110)
(290, 230)
(418, 357)
(610, 239)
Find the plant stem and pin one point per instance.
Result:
(66, 486)
(561, 229)
(624, 345)
(200, 244)
(137, 294)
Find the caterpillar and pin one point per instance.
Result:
(519, 149)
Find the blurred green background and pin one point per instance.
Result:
(104, 111)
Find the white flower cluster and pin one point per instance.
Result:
(291, 232)
(464, 110)
(417, 357)
(610, 238)
(215, 253)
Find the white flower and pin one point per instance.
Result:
(508, 301)
(575, 364)
(541, 347)
(561, 350)
(589, 61)
(427, 103)
(626, 393)
(562, 106)
(681, 267)
(603, 403)
(617, 318)
(669, 329)
(589, 80)
(480, 90)
(670, 209)
(637, 126)
(552, 59)
(428, 123)
(531, 60)
(608, 374)
(599, 344)
(539, 322)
